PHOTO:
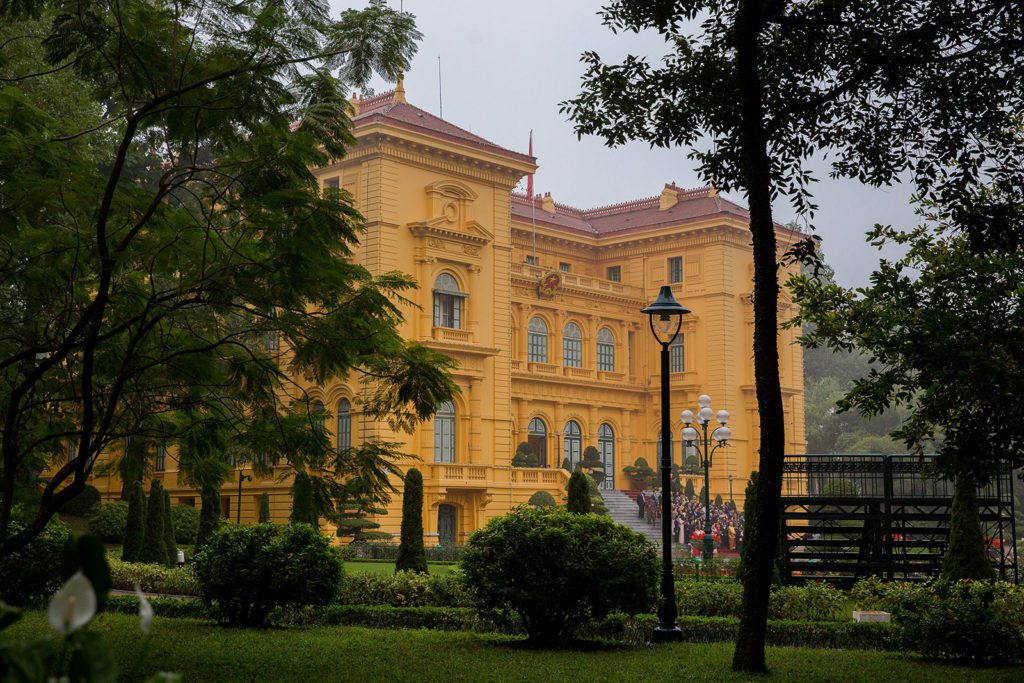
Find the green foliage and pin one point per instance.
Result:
(405, 589)
(169, 537)
(524, 456)
(209, 515)
(264, 516)
(185, 520)
(110, 268)
(389, 551)
(109, 521)
(965, 555)
(981, 622)
(565, 464)
(724, 598)
(689, 491)
(411, 555)
(718, 500)
(640, 474)
(592, 459)
(154, 547)
(597, 505)
(304, 509)
(558, 570)
(542, 499)
(750, 522)
(153, 578)
(247, 571)
(356, 502)
(135, 527)
(579, 493)
(84, 503)
(33, 573)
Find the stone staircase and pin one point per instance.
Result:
(623, 510)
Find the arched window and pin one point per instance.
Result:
(573, 444)
(444, 433)
(537, 341)
(344, 425)
(677, 355)
(605, 350)
(538, 439)
(572, 346)
(317, 410)
(447, 302)
(606, 447)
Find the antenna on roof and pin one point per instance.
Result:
(440, 100)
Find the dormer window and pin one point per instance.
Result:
(447, 302)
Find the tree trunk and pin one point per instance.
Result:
(965, 556)
(760, 551)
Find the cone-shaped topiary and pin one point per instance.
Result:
(579, 493)
(303, 508)
(154, 550)
(209, 515)
(749, 522)
(135, 529)
(718, 500)
(965, 556)
(411, 555)
(169, 544)
(688, 490)
(265, 508)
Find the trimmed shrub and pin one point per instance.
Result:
(303, 507)
(810, 602)
(558, 570)
(264, 517)
(709, 598)
(172, 608)
(185, 520)
(84, 503)
(688, 490)
(404, 589)
(579, 493)
(153, 578)
(109, 521)
(369, 550)
(209, 515)
(411, 555)
(135, 529)
(247, 571)
(542, 499)
(33, 573)
(640, 474)
(154, 550)
(169, 544)
(718, 499)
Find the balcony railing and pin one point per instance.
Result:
(546, 368)
(461, 475)
(450, 334)
(578, 372)
(581, 281)
(449, 473)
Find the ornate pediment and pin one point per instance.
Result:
(450, 205)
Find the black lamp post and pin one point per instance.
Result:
(731, 499)
(238, 512)
(706, 452)
(665, 316)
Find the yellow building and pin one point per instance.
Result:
(540, 305)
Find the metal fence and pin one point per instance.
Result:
(849, 516)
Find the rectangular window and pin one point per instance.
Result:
(614, 273)
(531, 260)
(447, 311)
(332, 184)
(444, 439)
(564, 267)
(161, 458)
(675, 269)
(677, 356)
(537, 348)
(225, 507)
(606, 357)
(572, 353)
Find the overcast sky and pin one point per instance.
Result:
(505, 66)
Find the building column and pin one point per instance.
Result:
(424, 267)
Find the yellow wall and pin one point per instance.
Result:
(433, 204)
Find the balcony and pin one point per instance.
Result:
(585, 373)
(543, 368)
(461, 475)
(478, 477)
(581, 281)
(452, 335)
(536, 475)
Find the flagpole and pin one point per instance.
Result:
(533, 206)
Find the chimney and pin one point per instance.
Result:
(547, 203)
(669, 197)
(354, 103)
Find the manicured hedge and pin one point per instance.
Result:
(153, 578)
(364, 550)
(109, 521)
(724, 598)
(404, 589)
(84, 503)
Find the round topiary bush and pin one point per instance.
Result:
(246, 571)
(542, 499)
(558, 570)
(82, 504)
(185, 519)
(109, 521)
(34, 573)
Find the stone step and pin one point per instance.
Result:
(623, 511)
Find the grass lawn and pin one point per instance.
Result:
(203, 651)
(389, 567)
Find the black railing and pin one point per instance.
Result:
(845, 517)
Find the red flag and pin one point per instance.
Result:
(529, 178)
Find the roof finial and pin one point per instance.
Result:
(354, 103)
(400, 88)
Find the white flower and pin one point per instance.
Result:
(145, 610)
(73, 606)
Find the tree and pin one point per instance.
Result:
(756, 89)
(542, 499)
(965, 556)
(169, 543)
(579, 493)
(209, 515)
(304, 509)
(411, 554)
(264, 508)
(718, 500)
(356, 503)
(154, 550)
(640, 473)
(188, 233)
(689, 491)
(135, 530)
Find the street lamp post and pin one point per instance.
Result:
(238, 512)
(731, 499)
(691, 437)
(665, 316)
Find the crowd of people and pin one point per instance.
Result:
(688, 517)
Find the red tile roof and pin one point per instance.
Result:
(629, 216)
(385, 107)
